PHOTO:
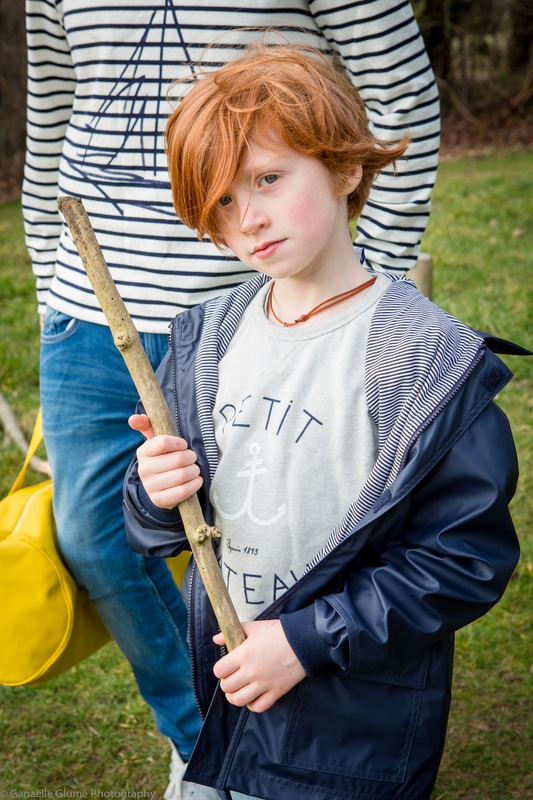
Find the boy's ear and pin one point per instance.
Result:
(353, 179)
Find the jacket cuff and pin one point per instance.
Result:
(310, 650)
(168, 516)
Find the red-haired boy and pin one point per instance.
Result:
(341, 433)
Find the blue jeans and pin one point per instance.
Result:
(87, 396)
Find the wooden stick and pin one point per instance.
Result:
(128, 342)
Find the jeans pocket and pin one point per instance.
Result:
(357, 727)
(57, 326)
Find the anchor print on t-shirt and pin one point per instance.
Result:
(254, 469)
(264, 441)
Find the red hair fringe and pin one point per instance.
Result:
(285, 91)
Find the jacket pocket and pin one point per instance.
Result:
(359, 727)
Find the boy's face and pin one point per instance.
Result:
(280, 215)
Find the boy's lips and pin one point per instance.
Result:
(267, 248)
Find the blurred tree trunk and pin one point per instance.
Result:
(522, 28)
(481, 52)
(12, 96)
(438, 20)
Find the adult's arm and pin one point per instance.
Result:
(381, 48)
(51, 86)
(455, 557)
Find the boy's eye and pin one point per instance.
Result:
(269, 179)
(224, 201)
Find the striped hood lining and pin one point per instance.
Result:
(417, 358)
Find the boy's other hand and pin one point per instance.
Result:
(167, 468)
(262, 669)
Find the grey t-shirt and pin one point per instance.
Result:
(296, 444)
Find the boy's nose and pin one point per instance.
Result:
(248, 229)
(252, 219)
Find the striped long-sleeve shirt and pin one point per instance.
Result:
(97, 106)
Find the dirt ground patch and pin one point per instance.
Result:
(489, 133)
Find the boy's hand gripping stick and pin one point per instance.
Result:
(128, 342)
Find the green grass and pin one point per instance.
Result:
(484, 275)
(85, 730)
(88, 729)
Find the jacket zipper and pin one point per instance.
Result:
(191, 611)
(190, 637)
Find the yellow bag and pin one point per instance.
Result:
(178, 565)
(47, 623)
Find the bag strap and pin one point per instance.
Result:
(36, 439)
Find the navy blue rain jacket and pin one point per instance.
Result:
(373, 621)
